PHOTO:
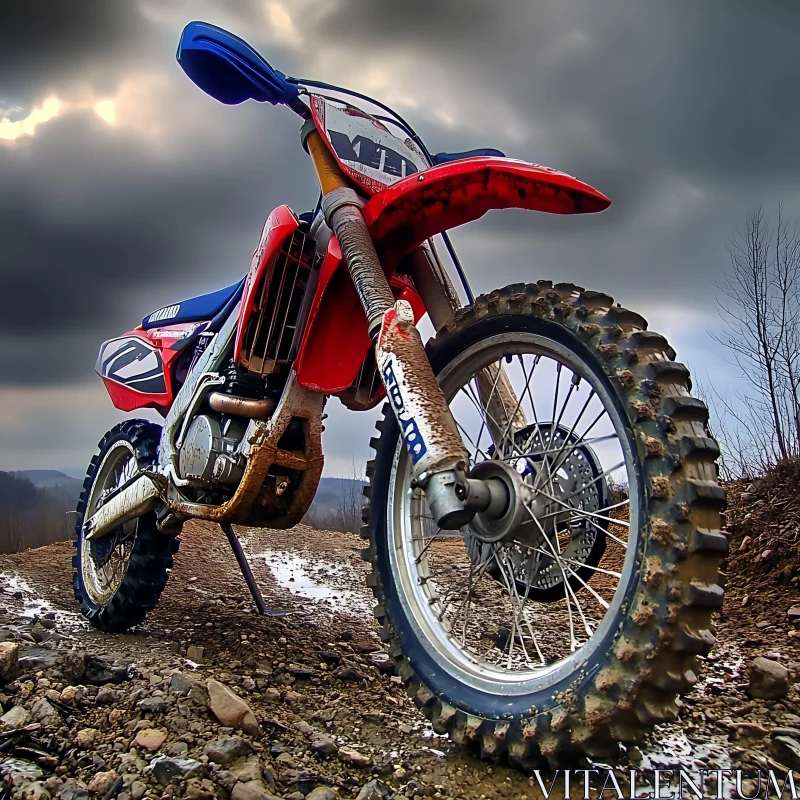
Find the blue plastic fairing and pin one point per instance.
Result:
(228, 69)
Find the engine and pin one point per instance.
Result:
(208, 455)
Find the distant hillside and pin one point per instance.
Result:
(337, 505)
(31, 516)
(63, 486)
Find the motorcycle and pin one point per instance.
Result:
(543, 511)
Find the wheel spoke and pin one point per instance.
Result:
(595, 512)
(486, 403)
(512, 417)
(533, 584)
(581, 512)
(558, 464)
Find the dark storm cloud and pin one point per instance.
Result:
(47, 43)
(683, 113)
(95, 242)
(701, 86)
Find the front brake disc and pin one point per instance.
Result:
(579, 477)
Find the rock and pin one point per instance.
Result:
(769, 680)
(786, 750)
(272, 694)
(179, 684)
(178, 749)
(348, 672)
(149, 739)
(102, 782)
(365, 647)
(104, 669)
(384, 664)
(226, 751)
(324, 746)
(68, 695)
(794, 733)
(131, 763)
(9, 655)
(17, 771)
(197, 789)
(72, 792)
(195, 653)
(107, 697)
(15, 718)
(304, 728)
(285, 760)
(322, 793)
(43, 712)
(137, 789)
(269, 779)
(230, 709)
(375, 790)
(165, 769)
(352, 756)
(85, 738)
(152, 705)
(249, 770)
(252, 790)
(34, 791)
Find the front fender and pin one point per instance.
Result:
(415, 208)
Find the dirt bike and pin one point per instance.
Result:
(543, 509)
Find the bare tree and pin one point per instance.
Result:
(760, 312)
(351, 500)
(345, 514)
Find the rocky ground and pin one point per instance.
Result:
(210, 700)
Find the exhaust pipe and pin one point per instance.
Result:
(241, 406)
(134, 500)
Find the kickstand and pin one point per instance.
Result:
(241, 560)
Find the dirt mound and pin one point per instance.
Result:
(330, 711)
(763, 522)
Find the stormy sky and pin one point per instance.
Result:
(124, 188)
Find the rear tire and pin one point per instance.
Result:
(647, 658)
(142, 554)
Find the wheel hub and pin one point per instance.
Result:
(502, 520)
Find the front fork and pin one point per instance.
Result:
(438, 457)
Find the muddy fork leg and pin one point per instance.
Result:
(241, 560)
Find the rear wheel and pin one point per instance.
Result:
(119, 577)
(577, 626)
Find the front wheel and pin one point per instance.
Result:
(119, 577)
(577, 626)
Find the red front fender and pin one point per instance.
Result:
(406, 213)
(400, 218)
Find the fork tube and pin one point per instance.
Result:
(342, 208)
(438, 457)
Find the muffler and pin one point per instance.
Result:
(136, 499)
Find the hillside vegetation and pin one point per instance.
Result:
(31, 516)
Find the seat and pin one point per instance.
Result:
(445, 158)
(195, 309)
